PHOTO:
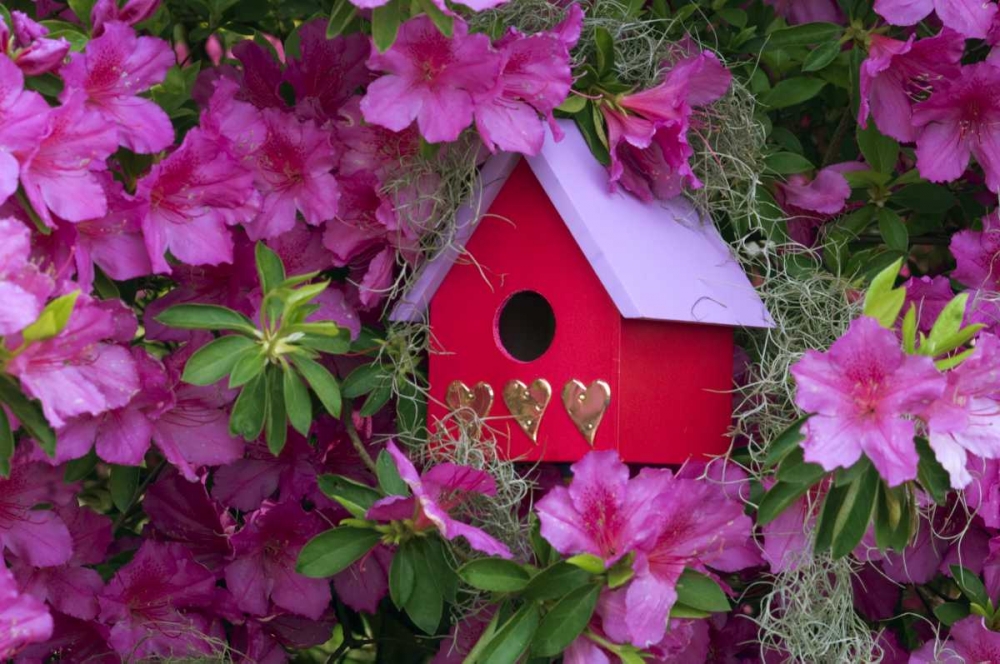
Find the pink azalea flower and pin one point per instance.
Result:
(959, 120)
(474, 5)
(61, 176)
(366, 219)
(28, 46)
(236, 126)
(23, 288)
(111, 72)
(977, 255)
(430, 78)
(930, 296)
(37, 536)
(24, 121)
(266, 550)
(377, 281)
(435, 493)
(146, 601)
(182, 511)
(861, 393)
(827, 193)
(463, 637)
(662, 170)
(131, 13)
(787, 538)
(194, 194)
(77, 371)
(696, 80)
(261, 78)
(965, 419)
(23, 619)
(535, 77)
(327, 72)
(293, 174)
(371, 148)
(896, 74)
(808, 11)
(969, 641)
(602, 512)
(363, 585)
(74, 640)
(971, 18)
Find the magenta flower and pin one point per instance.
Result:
(960, 120)
(474, 5)
(602, 512)
(363, 585)
(28, 46)
(971, 18)
(811, 202)
(182, 511)
(977, 254)
(146, 601)
(327, 72)
(897, 73)
(111, 72)
(808, 11)
(930, 296)
(236, 126)
(366, 220)
(23, 288)
(24, 121)
(965, 419)
(969, 641)
(862, 393)
(266, 549)
(372, 148)
(78, 371)
(293, 174)
(23, 619)
(431, 79)
(61, 176)
(439, 490)
(131, 13)
(194, 194)
(261, 75)
(37, 536)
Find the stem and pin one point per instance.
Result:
(352, 433)
(837, 138)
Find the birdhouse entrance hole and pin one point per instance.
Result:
(526, 326)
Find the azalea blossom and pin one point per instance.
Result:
(862, 394)
(39, 537)
(28, 46)
(810, 203)
(435, 493)
(961, 120)
(431, 79)
(327, 72)
(971, 18)
(474, 5)
(977, 255)
(111, 72)
(930, 296)
(131, 13)
(23, 287)
(182, 511)
(23, 619)
(808, 11)
(24, 121)
(969, 641)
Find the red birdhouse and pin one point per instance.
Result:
(587, 319)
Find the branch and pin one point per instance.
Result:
(352, 433)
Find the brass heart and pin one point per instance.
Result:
(527, 404)
(469, 404)
(586, 405)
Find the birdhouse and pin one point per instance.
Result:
(578, 319)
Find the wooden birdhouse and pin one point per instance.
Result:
(588, 319)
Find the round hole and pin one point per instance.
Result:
(526, 326)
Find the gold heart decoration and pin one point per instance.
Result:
(586, 405)
(527, 404)
(469, 404)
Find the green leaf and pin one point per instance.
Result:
(821, 56)
(321, 381)
(123, 483)
(402, 576)
(249, 364)
(276, 424)
(555, 581)
(932, 475)
(946, 334)
(573, 104)
(495, 575)
(792, 91)
(29, 414)
(777, 500)
(908, 330)
(700, 592)
(206, 317)
(565, 621)
(795, 470)
(605, 52)
(513, 638)
(787, 163)
(880, 152)
(247, 418)
(950, 613)
(587, 562)
(590, 122)
(786, 441)
(846, 512)
(215, 360)
(924, 197)
(445, 23)
(82, 9)
(893, 517)
(883, 301)
(298, 403)
(52, 320)
(77, 469)
(388, 476)
(848, 475)
(356, 498)
(803, 35)
(334, 550)
(426, 602)
(363, 380)
(270, 269)
(733, 16)
(893, 230)
(681, 610)
(341, 15)
(971, 585)
(6, 444)
(378, 398)
(385, 24)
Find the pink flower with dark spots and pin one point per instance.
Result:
(24, 121)
(24, 289)
(293, 172)
(182, 511)
(194, 195)
(236, 126)
(61, 177)
(36, 536)
(264, 569)
(977, 255)
(29, 47)
(111, 72)
(327, 72)
(371, 148)
(131, 13)
(366, 220)
(439, 490)
(261, 75)
(971, 18)
(78, 371)
(898, 74)
(23, 619)
(430, 78)
(969, 641)
(958, 121)
(930, 296)
(474, 5)
(863, 393)
(363, 585)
